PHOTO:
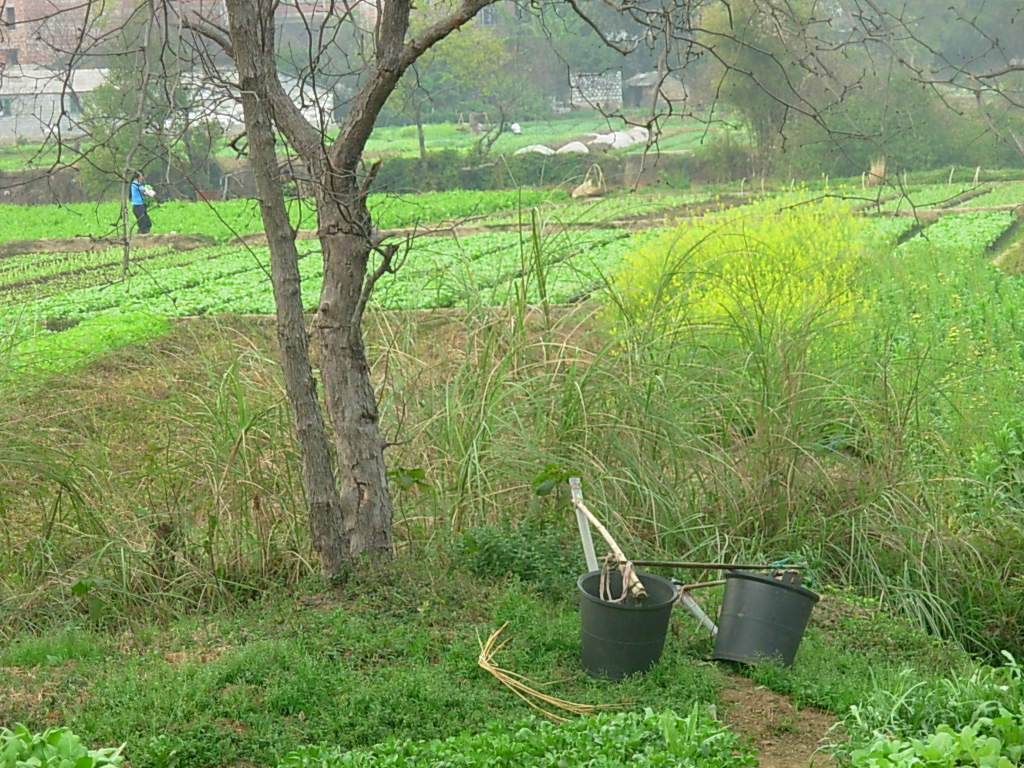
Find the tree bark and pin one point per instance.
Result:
(348, 392)
(327, 526)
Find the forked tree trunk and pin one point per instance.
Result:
(354, 515)
(324, 505)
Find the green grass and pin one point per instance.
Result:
(54, 649)
(17, 157)
(391, 655)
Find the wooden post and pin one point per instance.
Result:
(630, 581)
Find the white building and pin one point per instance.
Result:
(36, 102)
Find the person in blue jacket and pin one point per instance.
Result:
(138, 191)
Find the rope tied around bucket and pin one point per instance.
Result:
(615, 560)
(611, 564)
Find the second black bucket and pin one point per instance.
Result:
(761, 618)
(624, 638)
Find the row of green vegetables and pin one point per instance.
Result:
(26, 277)
(24, 281)
(483, 269)
(480, 269)
(636, 739)
(601, 210)
(224, 220)
(906, 199)
(433, 272)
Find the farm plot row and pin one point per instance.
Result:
(970, 234)
(481, 269)
(36, 276)
(601, 210)
(224, 220)
(919, 196)
(960, 195)
(435, 271)
(1009, 193)
(614, 209)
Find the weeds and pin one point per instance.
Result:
(737, 399)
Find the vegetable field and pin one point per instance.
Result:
(224, 220)
(528, 244)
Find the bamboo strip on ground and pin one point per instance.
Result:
(524, 687)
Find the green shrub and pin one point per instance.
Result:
(532, 552)
(725, 157)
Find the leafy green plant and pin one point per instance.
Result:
(635, 740)
(944, 717)
(53, 748)
(989, 742)
(530, 551)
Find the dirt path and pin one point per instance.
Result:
(784, 736)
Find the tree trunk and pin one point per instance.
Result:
(357, 518)
(348, 393)
(324, 505)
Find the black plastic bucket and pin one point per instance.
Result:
(624, 638)
(761, 618)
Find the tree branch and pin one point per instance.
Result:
(393, 59)
(211, 32)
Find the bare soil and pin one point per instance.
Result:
(784, 736)
(83, 244)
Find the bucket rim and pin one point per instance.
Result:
(760, 577)
(649, 605)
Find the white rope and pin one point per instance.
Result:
(604, 589)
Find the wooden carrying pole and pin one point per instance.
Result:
(716, 566)
(630, 581)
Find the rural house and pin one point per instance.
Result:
(34, 100)
(640, 90)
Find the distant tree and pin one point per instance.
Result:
(148, 116)
(971, 55)
(762, 64)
